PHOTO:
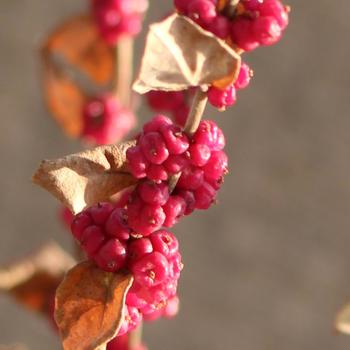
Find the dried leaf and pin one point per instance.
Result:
(180, 54)
(33, 280)
(64, 99)
(79, 43)
(89, 306)
(342, 323)
(86, 178)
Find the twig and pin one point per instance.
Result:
(135, 338)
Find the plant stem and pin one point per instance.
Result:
(194, 118)
(135, 338)
(197, 109)
(123, 70)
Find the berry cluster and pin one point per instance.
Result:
(121, 343)
(117, 18)
(249, 24)
(155, 262)
(105, 120)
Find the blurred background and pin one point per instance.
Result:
(265, 269)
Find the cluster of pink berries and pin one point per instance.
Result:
(252, 23)
(129, 234)
(155, 262)
(122, 343)
(105, 121)
(117, 18)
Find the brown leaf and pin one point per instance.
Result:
(180, 54)
(89, 306)
(64, 99)
(79, 43)
(342, 323)
(33, 280)
(86, 178)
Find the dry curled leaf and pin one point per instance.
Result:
(83, 179)
(78, 42)
(32, 281)
(64, 99)
(89, 306)
(342, 322)
(180, 54)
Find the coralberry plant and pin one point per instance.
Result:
(124, 198)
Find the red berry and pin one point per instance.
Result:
(276, 9)
(165, 100)
(176, 141)
(202, 11)
(111, 256)
(205, 196)
(165, 243)
(92, 239)
(191, 178)
(266, 30)
(151, 270)
(80, 223)
(217, 166)
(152, 193)
(157, 173)
(211, 135)
(172, 307)
(222, 99)
(153, 147)
(156, 123)
(199, 154)
(175, 163)
(174, 209)
(139, 248)
(101, 212)
(117, 224)
(242, 34)
(180, 115)
(220, 26)
(138, 163)
(245, 74)
(189, 199)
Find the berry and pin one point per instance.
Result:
(156, 123)
(266, 30)
(66, 216)
(117, 224)
(199, 154)
(210, 134)
(202, 11)
(276, 9)
(165, 243)
(205, 196)
(153, 147)
(182, 5)
(242, 34)
(139, 248)
(217, 165)
(174, 209)
(222, 99)
(111, 256)
(176, 141)
(172, 307)
(245, 74)
(92, 239)
(105, 121)
(175, 163)
(191, 178)
(220, 26)
(152, 193)
(180, 115)
(101, 212)
(80, 223)
(157, 173)
(138, 163)
(189, 199)
(151, 270)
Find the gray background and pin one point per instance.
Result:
(268, 267)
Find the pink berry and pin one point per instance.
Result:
(182, 5)
(210, 134)
(111, 256)
(191, 178)
(134, 318)
(172, 307)
(276, 9)
(217, 165)
(174, 209)
(138, 248)
(151, 270)
(175, 268)
(220, 26)
(153, 147)
(66, 216)
(222, 99)
(202, 11)
(205, 196)
(138, 163)
(145, 218)
(92, 239)
(252, 5)
(165, 243)
(101, 212)
(105, 121)
(152, 193)
(117, 224)
(165, 100)
(266, 30)
(199, 154)
(157, 173)
(176, 141)
(175, 163)
(245, 74)
(242, 34)
(189, 199)
(80, 223)
(156, 123)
